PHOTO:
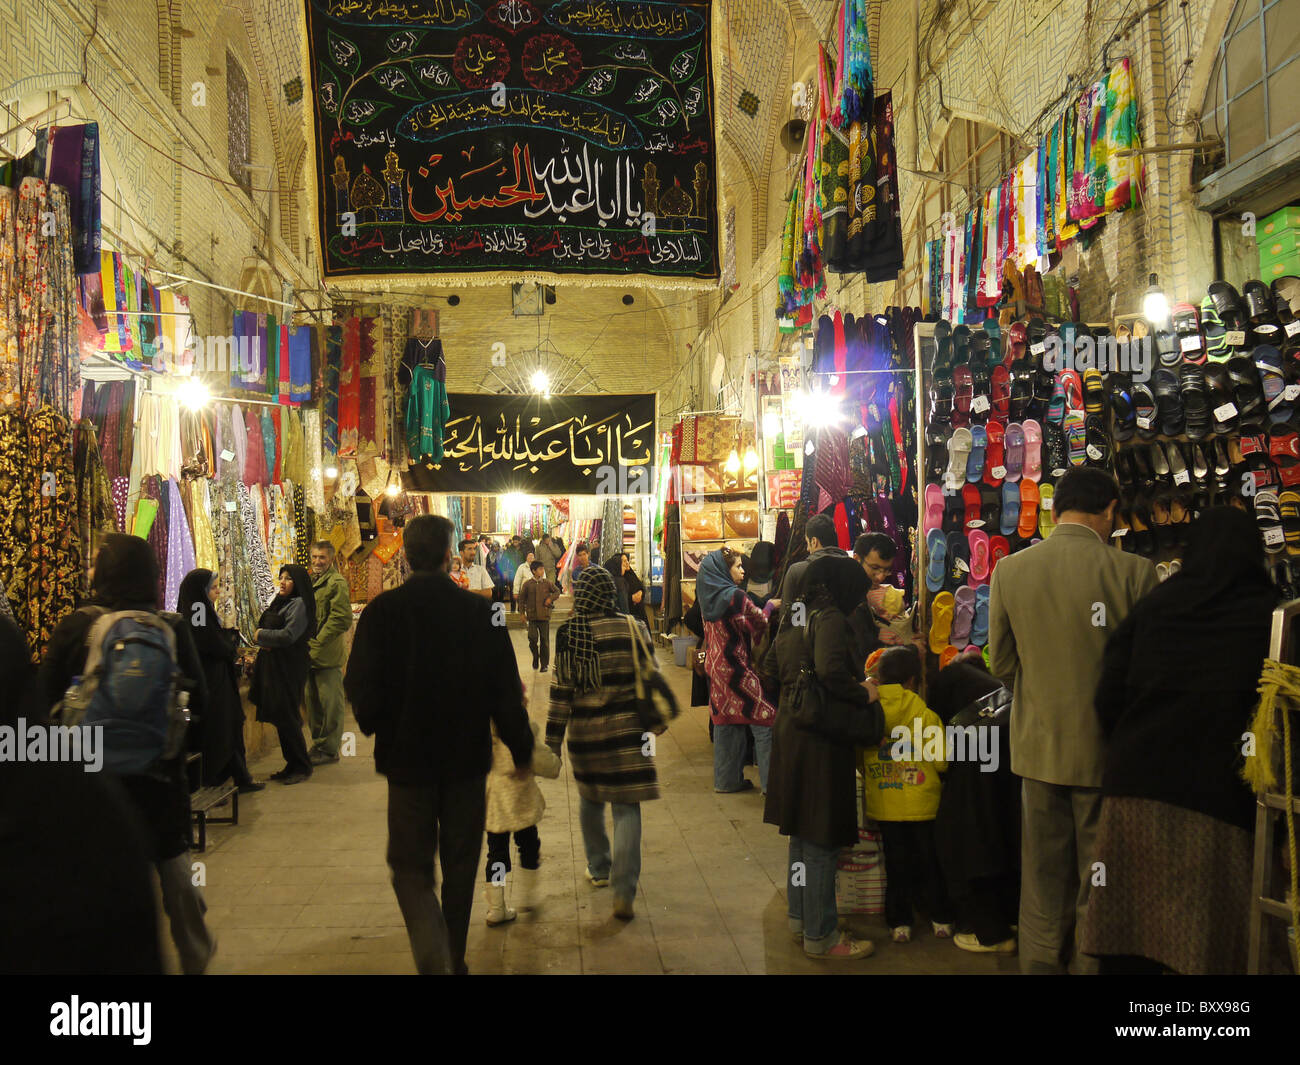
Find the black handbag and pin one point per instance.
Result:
(816, 710)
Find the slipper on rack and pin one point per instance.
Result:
(961, 344)
(940, 400)
(1076, 438)
(970, 498)
(981, 403)
(1169, 401)
(959, 449)
(1214, 332)
(963, 615)
(1033, 461)
(936, 559)
(1178, 470)
(1247, 389)
(941, 611)
(954, 514)
(1223, 405)
(1096, 442)
(1272, 375)
(1000, 393)
(1289, 509)
(994, 454)
(1268, 516)
(1283, 446)
(1200, 467)
(1260, 310)
(1029, 499)
(1160, 463)
(1022, 389)
(1119, 388)
(979, 630)
(1014, 445)
(1229, 310)
(979, 445)
(958, 560)
(1125, 471)
(1016, 344)
(963, 391)
(1056, 458)
(1143, 540)
(979, 556)
(1046, 500)
(936, 453)
(1045, 390)
(1145, 410)
(1010, 521)
(999, 548)
(990, 507)
(1195, 394)
(933, 508)
(1187, 329)
(1073, 389)
(1094, 392)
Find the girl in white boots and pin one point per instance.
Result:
(514, 804)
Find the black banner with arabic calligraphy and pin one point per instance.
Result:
(515, 136)
(561, 445)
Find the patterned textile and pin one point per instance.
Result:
(611, 529)
(330, 400)
(735, 693)
(577, 665)
(314, 481)
(9, 376)
(95, 502)
(255, 456)
(40, 555)
(180, 547)
(262, 579)
(301, 537)
(281, 539)
(200, 512)
(605, 736)
(1177, 888)
(225, 522)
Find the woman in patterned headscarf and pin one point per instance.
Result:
(593, 700)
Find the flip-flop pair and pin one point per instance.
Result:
(941, 617)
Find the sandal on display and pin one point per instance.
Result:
(933, 508)
(991, 508)
(1029, 499)
(959, 449)
(1076, 435)
(1260, 310)
(1143, 540)
(936, 561)
(1286, 295)
(941, 610)
(1187, 329)
(1073, 389)
(963, 616)
(1014, 445)
(1046, 500)
(979, 445)
(1033, 462)
(1223, 406)
(1247, 389)
(1229, 311)
(1010, 521)
(1169, 401)
(1177, 464)
(1200, 467)
(1214, 331)
(1094, 392)
(1272, 375)
(963, 391)
(994, 454)
(1195, 394)
(979, 630)
(954, 516)
(979, 556)
(1125, 471)
(1022, 389)
(958, 560)
(1017, 343)
(1056, 459)
(1160, 463)
(1121, 404)
(970, 497)
(1000, 393)
(1268, 516)
(999, 548)
(1145, 410)
(1096, 442)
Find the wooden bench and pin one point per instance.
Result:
(202, 800)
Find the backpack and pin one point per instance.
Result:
(128, 688)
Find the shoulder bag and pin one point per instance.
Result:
(816, 710)
(656, 705)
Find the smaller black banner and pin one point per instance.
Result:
(561, 445)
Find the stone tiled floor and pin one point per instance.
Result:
(300, 886)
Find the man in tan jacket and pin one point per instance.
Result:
(1052, 608)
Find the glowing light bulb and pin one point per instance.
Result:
(192, 393)
(331, 472)
(540, 381)
(393, 490)
(733, 462)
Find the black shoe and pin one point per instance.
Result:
(534, 665)
(545, 668)
(251, 786)
(319, 757)
(745, 785)
(295, 778)
(286, 771)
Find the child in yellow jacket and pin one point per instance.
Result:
(900, 780)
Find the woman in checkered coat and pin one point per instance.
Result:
(593, 703)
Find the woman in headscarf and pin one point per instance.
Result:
(221, 735)
(737, 705)
(1177, 690)
(280, 673)
(635, 594)
(812, 795)
(617, 566)
(593, 699)
(126, 578)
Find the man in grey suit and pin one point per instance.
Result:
(820, 535)
(1052, 608)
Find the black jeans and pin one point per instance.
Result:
(539, 642)
(443, 820)
(498, 848)
(912, 874)
(990, 907)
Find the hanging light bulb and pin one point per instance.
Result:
(331, 472)
(751, 460)
(1155, 306)
(193, 393)
(733, 462)
(541, 382)
(393, 490)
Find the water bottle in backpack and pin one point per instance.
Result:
(128, 688)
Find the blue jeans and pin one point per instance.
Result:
(729, 755)
(810, 894)
(623, 868)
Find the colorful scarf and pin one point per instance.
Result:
(577, 660)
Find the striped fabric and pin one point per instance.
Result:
(605, 736)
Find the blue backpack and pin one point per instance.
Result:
(129, 689)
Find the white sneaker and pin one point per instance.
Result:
(941, 930)
(901, 934)
(968, 941)
(597, 881)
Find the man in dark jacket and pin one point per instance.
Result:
(324, 691)
(429, 675)
(820, 534)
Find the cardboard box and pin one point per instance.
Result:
(1278, 221)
